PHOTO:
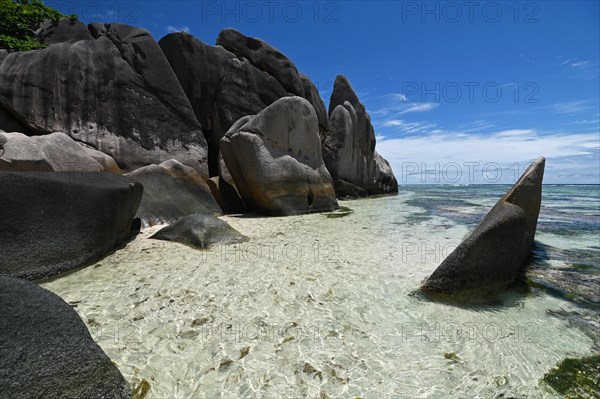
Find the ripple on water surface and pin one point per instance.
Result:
(314, 306)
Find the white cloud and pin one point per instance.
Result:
(579, 63)
(419, 107)
(570, 158)
(570, 107)
(183, 28)
(408, 127)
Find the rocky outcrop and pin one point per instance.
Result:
(500, 245)
(270, 60)
(200, 231)
(52, 222)
(108, 86)
(349, 149)
(238, 77)
(46, 350)
(172, 191)
(276, 162)
(55, 152)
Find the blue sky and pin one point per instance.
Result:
(458, 92)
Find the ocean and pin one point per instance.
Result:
(327, 305)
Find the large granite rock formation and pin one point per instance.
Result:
(270, 60)
(238, 77)
(500, 245)
(109, 86)
(349, 149)
(200, 231)
(52, 222)
(46, 350)
(172, 191)
(276, 162)
(55, 152)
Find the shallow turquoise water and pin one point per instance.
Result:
(324, 307)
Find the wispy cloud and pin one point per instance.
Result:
(580, 63)
(183, 28)
(419, 107)
(570, 107)
(571, 158)
(408, 127)
(583, 69)
(396, 104)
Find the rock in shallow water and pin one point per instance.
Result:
(172, 191)
(500, 245)
(52, 222)
(46, 350)
(276, 161)
(200, 231)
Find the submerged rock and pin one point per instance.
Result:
(108, 86)
(276, 162)
(200, 231)
(500, 245)
(55, 152)
(52, 222)
(576, 378)
(349, 148)
(46, 350)
(172, 191)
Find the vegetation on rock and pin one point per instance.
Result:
(18, 21)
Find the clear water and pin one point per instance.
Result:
(324, 307)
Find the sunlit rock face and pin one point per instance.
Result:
(349, 148)
(500, 245)
(108, 86)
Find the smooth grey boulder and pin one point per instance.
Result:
(492, 255)
(200, 231)
(220, 86)
(52, 222)
(226, 82)
(276, 162)
(55, 152)
(111, 88)
(349, 147)
(172, 191)
(46, 350)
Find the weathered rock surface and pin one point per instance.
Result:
(238, 77)
(55, 152)
(200, 231)
(500, 245)
(46, 350)
(52, 222)
(109, 86)
(349, 149)
(265, 57)
(172, 191)
(226, 195)
(276, 161)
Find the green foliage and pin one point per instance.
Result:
(18, 21)
(576, 378)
